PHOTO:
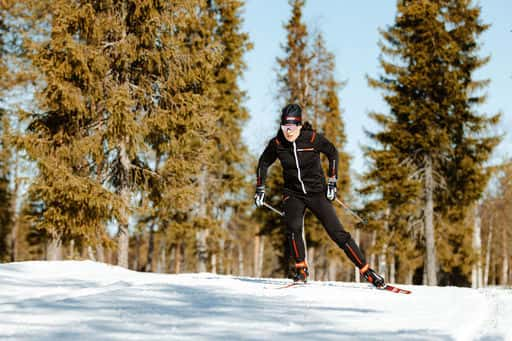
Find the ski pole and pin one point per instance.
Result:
(273, 209)
(351, 212)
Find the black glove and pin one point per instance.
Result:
(259, 196)
(331, 189)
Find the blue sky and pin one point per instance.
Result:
(351, 31)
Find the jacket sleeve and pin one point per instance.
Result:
(325, 146)
(266, 160)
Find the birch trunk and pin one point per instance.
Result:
(476, 272)
(488, 254)
(241, 268)
(222, 256)
(409, 276)
(430, 264)
(177, 259)
(72, 249)
(259, 248)
(373, 256)
(172, 257)
(357, 238)
(383, 266)
(100, 252)
(213, 263)
(504, 267)
(202, 250)
(90, 253)
(54, 249)
(311, 263)
(332, 271)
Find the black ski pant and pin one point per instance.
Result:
(294, 209)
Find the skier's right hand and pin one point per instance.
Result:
(259, 196)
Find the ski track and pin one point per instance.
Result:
(92, 301)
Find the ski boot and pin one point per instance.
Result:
(371, 276)
(301, 272)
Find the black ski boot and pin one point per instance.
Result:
(371, 276)
(301, 272)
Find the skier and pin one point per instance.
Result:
(298, 147)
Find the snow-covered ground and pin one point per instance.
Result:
(75, 300)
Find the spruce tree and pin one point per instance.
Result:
(428, 85)
(225, 178)
(180, 129)
(326, 118)
(293, 77)
(295, 74)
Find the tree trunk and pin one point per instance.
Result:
(222, 256)
(312, 262)
(392, 266)
(14, 214)
(430, 263)
(151, 248)
(90, 253)
(72, 249)
(332, 271)
(259, 249)
(136, 263)
(488, 254)
(504, 266)
(357, 239)
(213, 263)
(409, 276)
(100, 252)
(162, 258)
(383, 266)
(124, 191)
(476, 272)
(177, 259)
(241, 268)
(373, 256)
(201, 211)
(202, 249)
(54, 249)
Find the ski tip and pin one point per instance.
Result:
(396, 290)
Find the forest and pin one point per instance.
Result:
(121, 142)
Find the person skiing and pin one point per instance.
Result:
(298, 148)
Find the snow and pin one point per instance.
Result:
(84, 300)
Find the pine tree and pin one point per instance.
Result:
(428, 86)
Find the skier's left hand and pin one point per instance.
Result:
(331, 188)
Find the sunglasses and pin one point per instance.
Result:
(289, 127)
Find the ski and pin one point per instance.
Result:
(291, 285)
(394, 289)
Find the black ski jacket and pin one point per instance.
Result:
(302, 169)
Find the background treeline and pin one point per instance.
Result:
(121, 122)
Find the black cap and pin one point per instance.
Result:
(291, 114)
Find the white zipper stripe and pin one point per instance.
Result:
(298, 168)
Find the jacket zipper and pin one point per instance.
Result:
(298, 168)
